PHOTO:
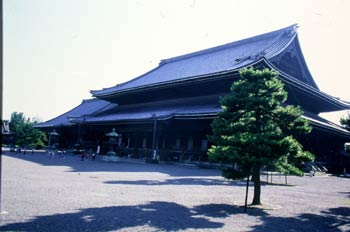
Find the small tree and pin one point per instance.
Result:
(25, 133)
(254, 129)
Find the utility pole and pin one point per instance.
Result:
(1, 96)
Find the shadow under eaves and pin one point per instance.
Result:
(76, 165)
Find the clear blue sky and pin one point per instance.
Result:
(56, 51)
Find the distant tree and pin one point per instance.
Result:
(36, 120)
(25, 133)
(255, 130)
(16, 120)
(345, 121)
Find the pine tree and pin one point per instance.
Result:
(255, 129)
(345, 121)
(25, 133)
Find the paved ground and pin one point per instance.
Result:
(43, 194)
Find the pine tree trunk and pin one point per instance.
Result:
(257, 186)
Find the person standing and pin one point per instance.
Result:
(93, 156)
(83, 154)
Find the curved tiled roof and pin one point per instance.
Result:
(87, 107)
(213, 60)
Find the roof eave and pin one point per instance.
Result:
(328, 127)
(340, 104)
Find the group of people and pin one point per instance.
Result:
(84, 155)
(87, 155)
(90, 154)
(19, 150)
(61, 154)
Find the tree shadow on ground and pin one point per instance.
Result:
(160, 216)
(264, 183)
(346, 193)
(76, 165)
(181, 181)
(334, 219)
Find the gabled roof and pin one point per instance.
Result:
(87, 107)
(223, 58)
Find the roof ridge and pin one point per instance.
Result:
(290, 29)
(90, 100)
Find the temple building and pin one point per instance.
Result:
(170, 108)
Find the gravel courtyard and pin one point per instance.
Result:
(43, 194)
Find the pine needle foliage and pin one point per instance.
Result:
(255, 129)
(345, 121)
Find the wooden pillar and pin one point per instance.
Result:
(154, 132)
(128, 145)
